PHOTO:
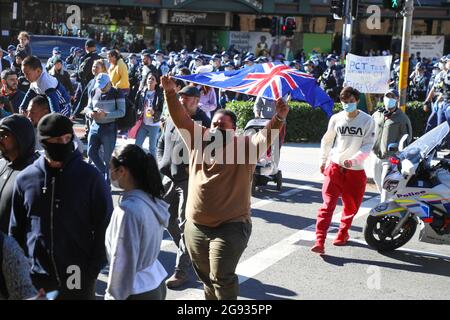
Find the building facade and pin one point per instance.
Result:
(214, 25)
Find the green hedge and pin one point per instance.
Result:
(306, 124)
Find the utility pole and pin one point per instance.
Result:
(404, 57)
(347, 28)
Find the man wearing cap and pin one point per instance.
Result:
(56, 53)
(249, 62)
(62, 75)
(176, 180)
(43, 83)
(61, 209)
(196, 63)
(418, 83)
(17, 141)
(161, 64)
(10, 88)
(218, 223)
(85, 69)
(237, 61)
(330, 80)
(391, 123)
(434, 96)
(216, 61)
(311, 69)
(106, 104)
(11, 54)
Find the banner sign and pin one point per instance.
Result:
(368, 74)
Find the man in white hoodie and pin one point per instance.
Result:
(347, 143)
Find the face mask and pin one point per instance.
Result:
(237, 62)
(441, 66)
(114, 183)
(307, 69)
(349, 107)
(329, 63)
(57, 151)
(389, 103)
(435, 72)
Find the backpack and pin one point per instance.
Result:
(130, 117)
(3, 289)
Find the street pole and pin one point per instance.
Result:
(347, 29)
(404, 57)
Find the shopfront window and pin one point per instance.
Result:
(125, 28)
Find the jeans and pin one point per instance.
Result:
(102, 135)
(176, 197)
(152, 132)
(215, 253)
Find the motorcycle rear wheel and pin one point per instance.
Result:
(378, 232)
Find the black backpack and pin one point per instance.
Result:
(130, 117)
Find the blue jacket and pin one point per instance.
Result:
(59, 217)
(58, 98)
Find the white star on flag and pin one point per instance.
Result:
(218, 77)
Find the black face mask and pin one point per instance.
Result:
(57, 151)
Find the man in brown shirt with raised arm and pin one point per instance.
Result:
(221, 167)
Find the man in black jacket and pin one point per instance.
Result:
(61, 209)
(170, 147)
(10, 88)
(85, 69)
(17, 142)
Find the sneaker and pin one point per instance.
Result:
(319, 248)
(341, 239)
(177, 279)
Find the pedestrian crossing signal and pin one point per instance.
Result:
(396, 5)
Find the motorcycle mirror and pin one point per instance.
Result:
(393, 147)
(402, 143)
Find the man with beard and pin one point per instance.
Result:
(17, 152)
(218, 223)
(10, 89)
(61, 209)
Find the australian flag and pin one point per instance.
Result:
(268, 80)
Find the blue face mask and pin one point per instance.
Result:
(349, 107)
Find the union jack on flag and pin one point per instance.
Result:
(268, 80)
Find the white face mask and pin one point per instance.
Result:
(389, 103)
(441, 66)
(329, 63)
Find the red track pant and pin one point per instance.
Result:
(345, 183)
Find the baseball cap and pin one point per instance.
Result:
(101, 80)
(89, 43)
(189, 91)
(216, 56)
(249, 59)
(184, 51)
(308, 63)
(331, 57)
(53, 125)
(11, 47)
(393, 92)
(56, 49)
(159, 53)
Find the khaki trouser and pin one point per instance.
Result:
(215, 253)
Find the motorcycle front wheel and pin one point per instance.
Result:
(378, 232)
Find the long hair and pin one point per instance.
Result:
(142, 167)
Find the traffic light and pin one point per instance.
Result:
(396, 5)
(337, 9)
(274, 27)
(289, 26)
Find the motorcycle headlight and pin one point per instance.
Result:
(390, 185)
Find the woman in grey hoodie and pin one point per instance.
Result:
(134, 235)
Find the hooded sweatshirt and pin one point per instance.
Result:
(59, 218)
(133, 242)
(22, 129)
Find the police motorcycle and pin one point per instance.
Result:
(417, 192)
